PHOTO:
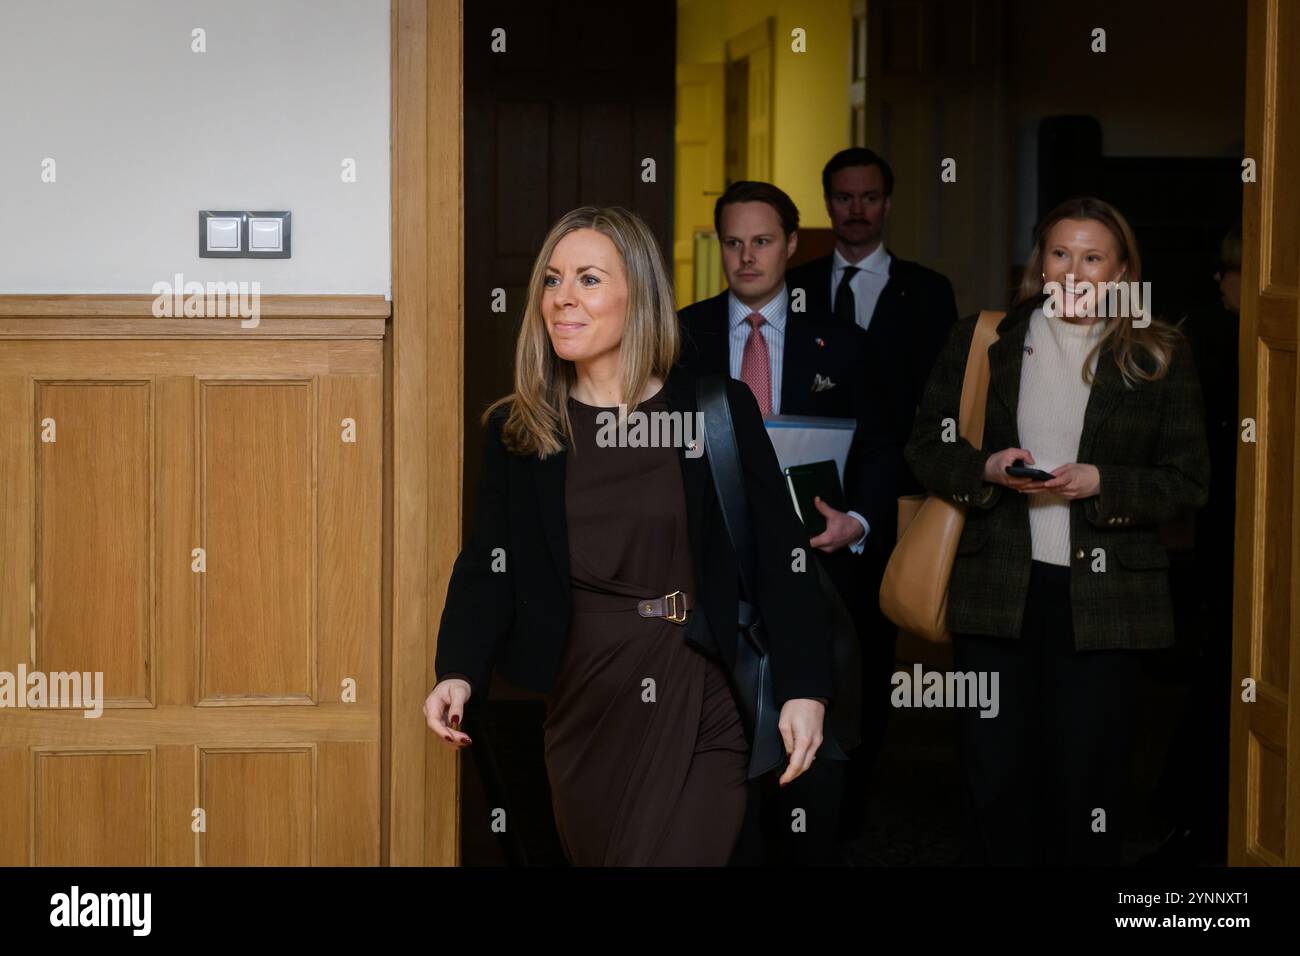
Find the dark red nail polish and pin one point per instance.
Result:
(455, 720)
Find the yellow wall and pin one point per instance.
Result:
(810, 90)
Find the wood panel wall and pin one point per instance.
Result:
(193, 510)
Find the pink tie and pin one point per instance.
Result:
(756, 366)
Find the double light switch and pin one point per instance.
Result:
(243, 235)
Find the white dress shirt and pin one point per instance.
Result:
(773, 332)
(867, 283)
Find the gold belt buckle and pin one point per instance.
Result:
(676, 607)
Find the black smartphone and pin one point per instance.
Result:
(1018, 469)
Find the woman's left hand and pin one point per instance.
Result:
(801, 729)
(1071, 481)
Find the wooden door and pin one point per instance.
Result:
(195, 512)
(750, 62)
(1264, 801)
(700, 142)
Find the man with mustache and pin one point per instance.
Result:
(902, 312)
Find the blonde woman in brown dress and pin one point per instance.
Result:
(603, 577)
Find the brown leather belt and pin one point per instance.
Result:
(671, 607)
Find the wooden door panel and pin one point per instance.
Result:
(1280, 233)
(1277, 465)
(1266, 808)
(256, 524)
(268, 455)
(93, 539)
(699, 137)
(93, 807)
(259, 806)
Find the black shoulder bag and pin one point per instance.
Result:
(752, 676)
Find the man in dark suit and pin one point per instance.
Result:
(796, 362)
(902, 313)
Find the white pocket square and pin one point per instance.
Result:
(821, 383)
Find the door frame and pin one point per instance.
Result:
(424, 362)
(1264, 774)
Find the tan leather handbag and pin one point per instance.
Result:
(914, 590)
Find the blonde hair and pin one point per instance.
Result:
(1142, 354)
(538, 420)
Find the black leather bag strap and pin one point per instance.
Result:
(728, 481)
(760, 710)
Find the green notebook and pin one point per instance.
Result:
(806, 482)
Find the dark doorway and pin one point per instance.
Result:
(564, 102)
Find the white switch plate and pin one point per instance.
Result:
(223, 234)
(264, 235)
(245, 234)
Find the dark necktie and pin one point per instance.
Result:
(846, 309)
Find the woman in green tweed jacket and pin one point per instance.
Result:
(1057, 583)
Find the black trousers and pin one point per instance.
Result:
(1045, 779)
(857, 578)
(878, 637)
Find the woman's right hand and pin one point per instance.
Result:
(444, 709)
(995, 469)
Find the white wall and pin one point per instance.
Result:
(145, 133)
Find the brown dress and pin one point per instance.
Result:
(645, 751)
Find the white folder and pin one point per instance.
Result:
(804, 439)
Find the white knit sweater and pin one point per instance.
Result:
(1053, 399)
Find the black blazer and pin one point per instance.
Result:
(520, 616)
(1148, 444)
(814, 346)
(915, 311)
